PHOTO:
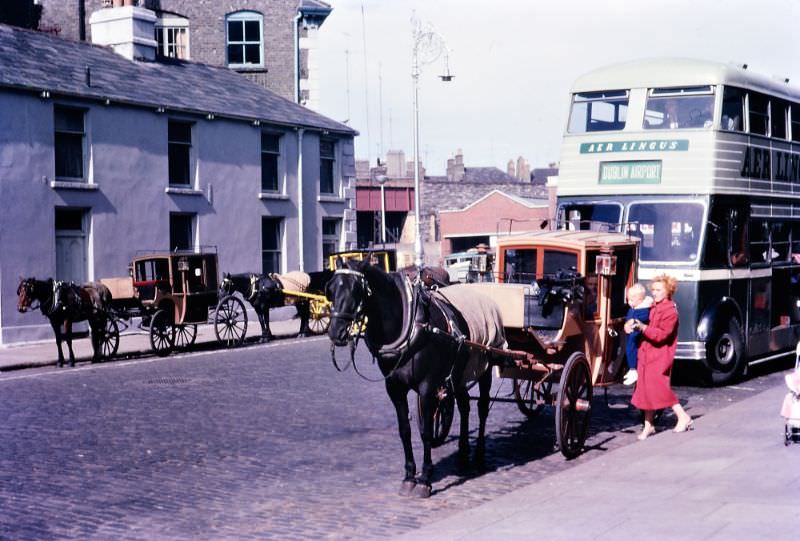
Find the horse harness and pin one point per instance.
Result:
(413, 327)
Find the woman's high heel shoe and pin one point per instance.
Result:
(645, 433)
(680, 427)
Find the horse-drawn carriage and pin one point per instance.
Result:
(560, 299)
(173, 292)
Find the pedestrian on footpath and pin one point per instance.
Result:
(656, 355)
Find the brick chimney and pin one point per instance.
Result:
(455, 167)
(128, 29)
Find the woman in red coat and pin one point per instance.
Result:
(656, 354)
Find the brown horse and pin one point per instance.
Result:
(64, 303)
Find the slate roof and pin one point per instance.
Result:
(316, 7)
(539, 175)
(31, 60)
(488, 175)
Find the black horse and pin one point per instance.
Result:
(417, 339)
(265, 291)
(64, 303)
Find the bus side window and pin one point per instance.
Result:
(738, 239)
(780, 242)
(732, 109)
(759, 241)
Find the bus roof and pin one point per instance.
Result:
(676, 72)
(569, 239)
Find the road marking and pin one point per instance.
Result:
(181, 356)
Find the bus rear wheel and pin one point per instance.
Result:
(725, 354)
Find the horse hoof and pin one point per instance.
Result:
(407, 487)
(422, 490)
(301, 335)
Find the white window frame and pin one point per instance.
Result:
(86, 169)
(245, 16)
(179, 24)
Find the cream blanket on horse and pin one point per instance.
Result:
(483, 320)
(293, 281)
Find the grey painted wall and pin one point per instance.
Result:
(130, 209)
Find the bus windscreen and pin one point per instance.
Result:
(669, 231)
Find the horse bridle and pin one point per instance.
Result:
(358, 314)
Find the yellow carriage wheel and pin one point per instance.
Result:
(319, 316)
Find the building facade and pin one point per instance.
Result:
(272, 42)
(102, 156)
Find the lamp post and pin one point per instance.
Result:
(428, 46)
(382, 181)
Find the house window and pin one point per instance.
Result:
(327, 159)
(181, 231)
(270, 152)
(180, 146)
(244, 41)
(330, 236)
(70, 135)
(271, 245)
(172, 37)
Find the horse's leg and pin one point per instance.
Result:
(68, 338)
(94, 329)
(259, 308)
(398, 394)
(57, 331)
(485, 386)
(462, 400)
(303, 309)
(266, 332)
(428, 401)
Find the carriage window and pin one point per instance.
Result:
(593, 216)
(598, 111)
(68, 142)
(759, 113)
(554, 261)
(669, 232)
(672, 108)
(520, 266)
(732, 109)
(153, 269)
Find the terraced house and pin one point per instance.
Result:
(109, 150)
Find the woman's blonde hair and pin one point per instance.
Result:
(670, 283)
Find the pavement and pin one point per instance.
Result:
(731, 478)
(135, 342)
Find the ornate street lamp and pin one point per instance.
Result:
(428, 46)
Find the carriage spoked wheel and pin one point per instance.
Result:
(532, 396)
(109, 339)
(319, 317)
(573, 405)
(162, 333)
(230, 321)
(442, 415)
(185, 335)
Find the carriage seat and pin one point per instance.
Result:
(120, 288)
(546, 307)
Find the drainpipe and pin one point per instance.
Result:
(297, 56)
(300, 226)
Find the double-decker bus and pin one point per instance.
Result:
(701, 161)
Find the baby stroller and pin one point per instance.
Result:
(791, 404)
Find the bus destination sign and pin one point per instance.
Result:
(646, 145)
(637, 172)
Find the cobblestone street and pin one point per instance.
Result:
(267, 441)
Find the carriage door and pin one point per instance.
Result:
(71, 241)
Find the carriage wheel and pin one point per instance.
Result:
(574, 405)
(185, 335)
(161, 333)
(442, 416)
(319, 317)
(230, 322)
(109, 339)
(532, 396)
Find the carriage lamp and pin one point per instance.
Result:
(606, 265)
(183, 264)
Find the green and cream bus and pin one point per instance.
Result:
(701, 161)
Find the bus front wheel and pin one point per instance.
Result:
(725, 354)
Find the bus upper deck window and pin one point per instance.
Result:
(674, 108)
(598, 111)
(733, 109)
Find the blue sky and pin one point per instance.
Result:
(514, 62)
